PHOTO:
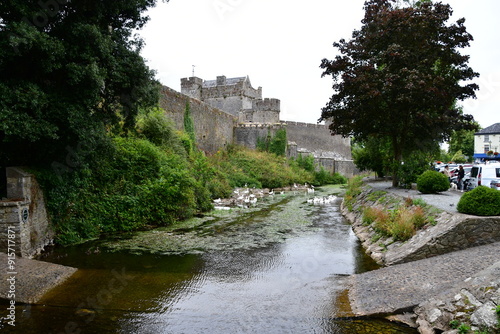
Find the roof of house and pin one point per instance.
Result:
(492, 129)
(229, 81)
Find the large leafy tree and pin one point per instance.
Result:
(399, 78)
(69, 72)
(463, 141)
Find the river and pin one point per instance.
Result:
(278, 267)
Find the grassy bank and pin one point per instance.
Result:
(155, 176)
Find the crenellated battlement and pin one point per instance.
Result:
(233, 95)
(230, 110)
(266, 105)
(192, 87)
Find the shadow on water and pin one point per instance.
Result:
(278, 270)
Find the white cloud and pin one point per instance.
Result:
(279, 44)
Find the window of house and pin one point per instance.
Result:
(486, 138)
(486, 148)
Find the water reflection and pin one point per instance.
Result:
(292, 287)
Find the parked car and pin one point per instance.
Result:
(495, 184)
(482, 175)
(454, 171)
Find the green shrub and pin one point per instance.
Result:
(154, 126)
(337, 178)
(134, 184)
(432, 182)
(480, 201)
(306, 163)
(273, 144)
(278, 143)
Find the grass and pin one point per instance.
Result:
(391, 216)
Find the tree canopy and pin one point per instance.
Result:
(70, 71)
(399, 77)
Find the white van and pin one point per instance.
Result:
(481, 175)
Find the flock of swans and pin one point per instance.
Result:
(244, 197)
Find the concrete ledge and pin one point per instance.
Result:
(402, 287)
(452, 231)
(32, 278)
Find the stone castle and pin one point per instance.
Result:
(235, 96)
(230, 111)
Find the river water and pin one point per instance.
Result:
(279, 267)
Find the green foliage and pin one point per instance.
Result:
(278, 143)
(189, 123)
(400, 223)
(258, 169)
(414, 165)
(454, 324)
(153, 125)
(372, 154)
(136, 184)
(70, 78)
(432, 182)
(322, 177)
(462, 140)
(382, 79)
(354, 188)
(463, 329)
(306, 163)
(274, 144)
(459, 157)
(370, 215)
(480, 201)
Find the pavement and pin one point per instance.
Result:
(26, 280)
(446, 200)
(401, 287)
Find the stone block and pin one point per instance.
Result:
(485, 316)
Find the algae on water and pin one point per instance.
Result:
(272, 220)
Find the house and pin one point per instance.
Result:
(487, 143)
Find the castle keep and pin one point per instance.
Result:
(235, 96)
(230, 111)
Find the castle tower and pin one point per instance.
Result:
(266, 111)
(192, 87)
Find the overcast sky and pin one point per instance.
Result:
(279, 44)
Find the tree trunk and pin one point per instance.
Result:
(398, 157)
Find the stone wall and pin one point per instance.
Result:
(213, 127)
(317, 137)
(23, 215)
(247, 134)
(472, 302)
(452, 232)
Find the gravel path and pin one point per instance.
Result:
(446, 201)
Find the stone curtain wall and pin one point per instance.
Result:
(317, 137)
(23, 215)
(247, 134)
(213, 127)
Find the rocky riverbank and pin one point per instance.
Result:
(471, 304)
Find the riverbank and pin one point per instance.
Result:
(26, 281)
(439, 261)
(295, 283)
